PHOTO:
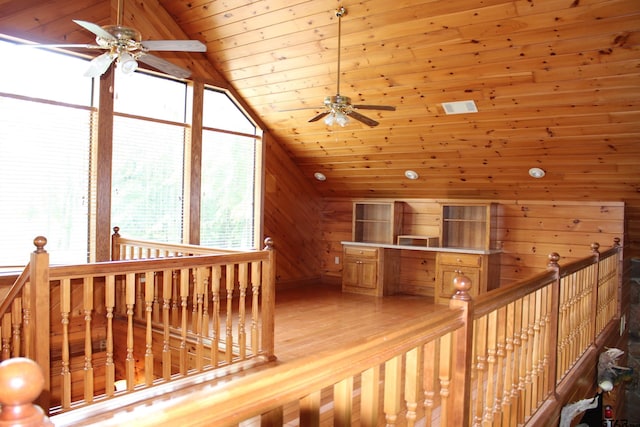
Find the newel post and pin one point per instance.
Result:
(21, 382)
(36, 317)
(269, 300)
(462, 350)
(115, 244)
(554, 257)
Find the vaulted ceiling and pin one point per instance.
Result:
(556, 84)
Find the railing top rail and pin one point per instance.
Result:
(500, 297)
(137, 266)
(15, 290)
(277, 384)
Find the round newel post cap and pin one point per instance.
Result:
(21, 382)
(268, 243)
(39, 242)
(595, 247)
(554, 257)
(462, 285)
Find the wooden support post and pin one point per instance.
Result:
(459, 410)
(269, 301)
(40, 306)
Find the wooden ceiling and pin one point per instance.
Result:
(556, 83)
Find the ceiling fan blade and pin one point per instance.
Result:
(95, 29)
(364, 119)
(99, 65)
(318, 117)
(64, 46)
(174, 45)
(164, 66)
(375, 107)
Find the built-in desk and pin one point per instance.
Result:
(374, 268)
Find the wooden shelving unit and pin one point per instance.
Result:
(469, 226)
(376, 222)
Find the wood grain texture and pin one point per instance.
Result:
(555, 82)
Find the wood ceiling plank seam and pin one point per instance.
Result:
(31, 18)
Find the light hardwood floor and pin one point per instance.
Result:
(316, 317)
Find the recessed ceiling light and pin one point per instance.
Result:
(536, 172)
(411, 174)
(320, 176)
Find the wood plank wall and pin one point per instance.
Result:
(292, 217)
(527, 231)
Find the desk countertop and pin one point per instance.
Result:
(423, 248)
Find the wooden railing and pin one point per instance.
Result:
(143, 322)
(502, 359)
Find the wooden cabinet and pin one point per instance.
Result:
(376, 221)
(370, 271)
(482, 269)
(469, 226)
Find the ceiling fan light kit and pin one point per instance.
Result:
(125, 46)
(338, 109)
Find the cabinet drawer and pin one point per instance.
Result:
(360, 252)
(469, 260)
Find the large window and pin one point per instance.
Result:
(45, 132)
(229, 165)
(148, 157)
(48, 137)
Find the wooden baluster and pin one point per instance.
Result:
(515, 394)
(500, 362)
(65, 308)
(522, 364)
(505, 405)
(392, 389)
(110, 301)
(130, 300)
(255, 307)
(530, 355)
(230, 272)
(545, 346)
(5, 328)
(370, 397)
(480, 347)
(492, 373)
(206, 320)
(195, 303)
(444, 376)
(430, 369)
(343, 402)
(167, 288)
(411, 383)
(184, 294)
(21, 382)
(88, 350)
(310, 410)
(149, 295)
(175, 292)
(243, 279)
(536, 352)
(198, 290)
(16, 327)
(140, 298)
(268, 300)
(157, 307)
(216, 274)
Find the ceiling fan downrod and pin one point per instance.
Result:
(340, 12)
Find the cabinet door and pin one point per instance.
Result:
(350, 272)
(368, 274)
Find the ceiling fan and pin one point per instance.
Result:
(125, 46)
(338, 108)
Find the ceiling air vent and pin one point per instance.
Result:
(459, 107)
